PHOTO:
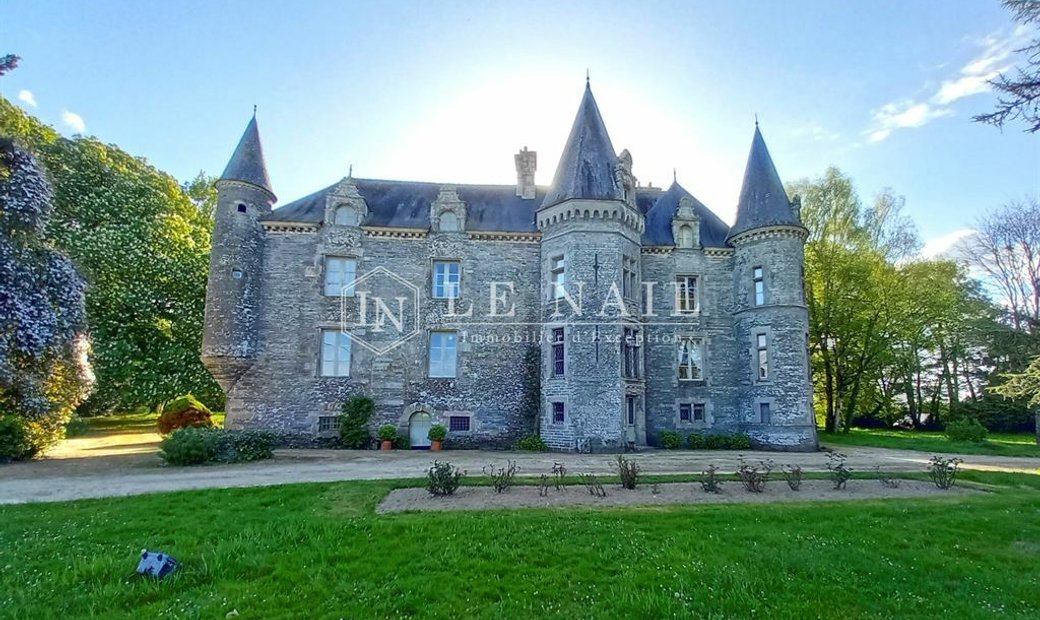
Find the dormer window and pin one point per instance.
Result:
(346, 216)
(450, 222)
(685, 237)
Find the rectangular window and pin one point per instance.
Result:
(628, 277)
(335, 353)
(558, 414)
(762, 357)
(458, 423)
(691, 359)
(328, 423)
(340, 273)
(685, 412)
(763, 413)
(686, 294)
(630, 410)
(760, 287)
(631, 342)
(558, 277)
(443, 352)
(698, 412)
(558, 352)
(446, 277)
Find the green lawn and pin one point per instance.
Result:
(319, 551)
(1002, 444)
(133, 422)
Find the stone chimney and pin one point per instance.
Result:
(526, 164)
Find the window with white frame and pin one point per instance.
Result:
(559, 365)
(345, 216)
(628, 277)
(685, 238)
(631, 343)
(760, 286)
(328, 423)
(340, 273)
(686, 293)
(762, 356)
(443, 353)
(557, 277)
(446, 277)
(335, 353)
(691, 358)
(559, 414)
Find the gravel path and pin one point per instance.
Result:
(120, 465)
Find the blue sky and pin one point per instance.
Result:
(448, 91)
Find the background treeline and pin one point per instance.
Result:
(897, 338)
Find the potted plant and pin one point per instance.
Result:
(437, 434)
(387, 436)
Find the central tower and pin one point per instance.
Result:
(592, 366)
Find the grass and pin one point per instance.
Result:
(319, 551)
(999, 444)
(133, 422)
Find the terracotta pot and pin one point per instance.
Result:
(386, 445)
(435, 444)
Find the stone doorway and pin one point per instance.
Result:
(418, 430)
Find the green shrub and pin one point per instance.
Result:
(997, 414)
(184, 412)
(14, 439)
(739, 441)
(388, 432)
(76, 427)
(403, 442)
(698, 441)
(443, 479)
(671, 440)
(716, 442)
(966, 429)
(353, 424)
(437, 432)
(190, 446)
(531, 443)
(244, 446)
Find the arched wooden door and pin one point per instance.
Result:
(419, 429)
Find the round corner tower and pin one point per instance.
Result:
(229, 341)
(771, 318)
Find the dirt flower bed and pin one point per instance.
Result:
(481, 498)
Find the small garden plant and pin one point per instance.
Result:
(793, 476)
(710, 481)
(437, 432)
(443, 479)
(531, 443)
(966, 429)
(754, 477)
(501, 477)
(628, 472)
(943, 471)
(671, 440)
(887, 481)
(592, 485)
(558, 473)
(839, 471)
(388, 432)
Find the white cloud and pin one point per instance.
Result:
(26, 97)
(945, 246)
(74, 121)
(817, 133)
(902, 114)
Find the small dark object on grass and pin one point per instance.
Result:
(886, 480)
(156, 564)
(628, 471)
(793, 476)
(840, 472)
(710, 480)
(754, 477)
(655, 489)
(558, 472)
(943, 472)
(443, 479)
(592, 485)
(543, 486)
(501, 477)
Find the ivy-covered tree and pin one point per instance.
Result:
(143, 246)
(44, 373)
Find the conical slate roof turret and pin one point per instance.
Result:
(587, 166)
(763, 201)
(247, 163)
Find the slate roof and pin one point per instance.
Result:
(763, 201)
(586, 168)
(247, 162)
(658, 230)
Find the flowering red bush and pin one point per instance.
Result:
(184, 412)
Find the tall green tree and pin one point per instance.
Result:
(143, 245)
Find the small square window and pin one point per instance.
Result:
(558, 415)
(328, 423)
(458, 423)
(241, 207)
(685, 412)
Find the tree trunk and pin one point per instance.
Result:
(830, 424)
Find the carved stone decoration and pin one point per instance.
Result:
(345, 206)
(625, 179)
(686, 225)
(448, 212)
(796, 206)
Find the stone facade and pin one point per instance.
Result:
(595, 256)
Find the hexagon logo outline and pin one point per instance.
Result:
(352, 286)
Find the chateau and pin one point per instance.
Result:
(595, 312)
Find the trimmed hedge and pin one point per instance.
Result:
(184, 412)
(719, 441)
(196, 446)
(966, 429)
(532, 443)
(671, 440)
(15, 443)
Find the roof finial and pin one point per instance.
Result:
(350, 172)
(756, 120)
(254, 110)
(586, 76)
(674, 176)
